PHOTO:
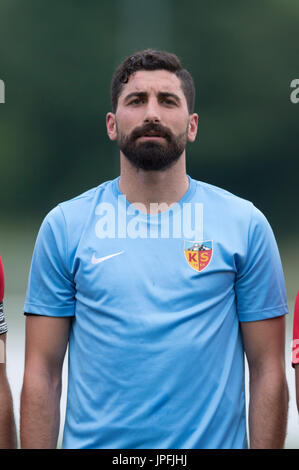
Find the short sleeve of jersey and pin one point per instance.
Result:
(51, 290)
(3, 324)
(2, 281)
(260, 285)
(295, 349)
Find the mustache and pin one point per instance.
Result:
(152, 128)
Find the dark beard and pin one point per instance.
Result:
(152, 156)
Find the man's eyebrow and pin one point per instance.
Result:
(167, 94)
(143, 94)
(139, 94)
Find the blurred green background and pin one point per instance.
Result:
(57, 59)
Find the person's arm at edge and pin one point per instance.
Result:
(297, 384)
(46, 344)
(295, 347)
(8, 436)
(264, 345)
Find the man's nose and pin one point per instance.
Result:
(152, 113)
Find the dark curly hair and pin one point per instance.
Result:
(151, 59)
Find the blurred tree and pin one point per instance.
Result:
(57, 60)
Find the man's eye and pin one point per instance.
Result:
(169, 101)
(137, 101)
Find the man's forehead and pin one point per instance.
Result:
(153, 80)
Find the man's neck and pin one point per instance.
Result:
(152, 188)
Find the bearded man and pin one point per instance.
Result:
(158, 283)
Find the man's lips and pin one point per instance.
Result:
(151, 136)
(151, 133)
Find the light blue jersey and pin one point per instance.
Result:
(155, 352)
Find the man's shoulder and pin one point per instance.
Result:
(230, 208)
(78, 207)
(240, 212)
(217, 194)
(87, 197)
(68, 219)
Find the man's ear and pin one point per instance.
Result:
(193, 127)
(111, 126)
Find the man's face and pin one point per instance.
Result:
(152, 123)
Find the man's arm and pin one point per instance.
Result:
(8, 437)
(46, 343)
(264, 344)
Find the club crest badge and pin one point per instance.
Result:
(198, 254)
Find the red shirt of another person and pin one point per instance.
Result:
(295, 354)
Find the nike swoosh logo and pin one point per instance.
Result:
(95, 260)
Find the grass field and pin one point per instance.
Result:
(16, 245)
